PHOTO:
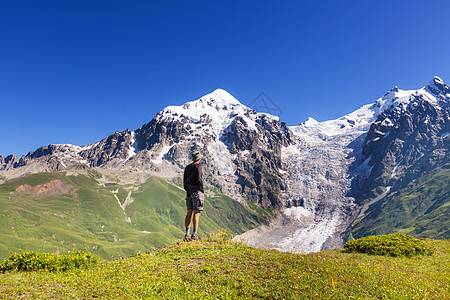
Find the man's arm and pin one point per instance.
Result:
(200, 177)
(184, 179)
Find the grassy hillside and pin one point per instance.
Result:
(422, 209)
(219, 269)
(95, 219)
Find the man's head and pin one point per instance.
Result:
(196, 156)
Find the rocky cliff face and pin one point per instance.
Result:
(108, 153)
(411, 137)
(9, 162)
(257, 156)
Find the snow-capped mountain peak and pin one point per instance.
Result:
(395, 100)
(356, 121)
(216, 101)
(219, 99)
(438, 89)
(436, 84)
(218, 109)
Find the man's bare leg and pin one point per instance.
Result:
(187, 224)
(196, 218)
(187, 220)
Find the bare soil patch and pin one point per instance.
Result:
(52, 188)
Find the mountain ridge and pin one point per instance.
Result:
(223, 100)
(317, 175)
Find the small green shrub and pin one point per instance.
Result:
(392, 245)
(34, 261)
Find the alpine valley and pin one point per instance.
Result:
(381, 169)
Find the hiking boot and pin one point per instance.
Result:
(187, 238)
(195, 237)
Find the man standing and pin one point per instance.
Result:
(193, 184)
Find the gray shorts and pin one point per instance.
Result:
(195, 201)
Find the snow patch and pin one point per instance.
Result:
(159, 158)
(297, 212)
(387, 122)
(221, 157)
(365, 165)
(244, 154)
(399, 163)
(83, 148)
(133, 149)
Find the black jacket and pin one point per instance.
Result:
(192, 179)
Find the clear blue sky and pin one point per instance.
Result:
(76, 71)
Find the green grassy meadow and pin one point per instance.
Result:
(422, 209)
(217, 268)
(94, 221)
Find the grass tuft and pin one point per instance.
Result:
(34, 261)
(392, 245)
